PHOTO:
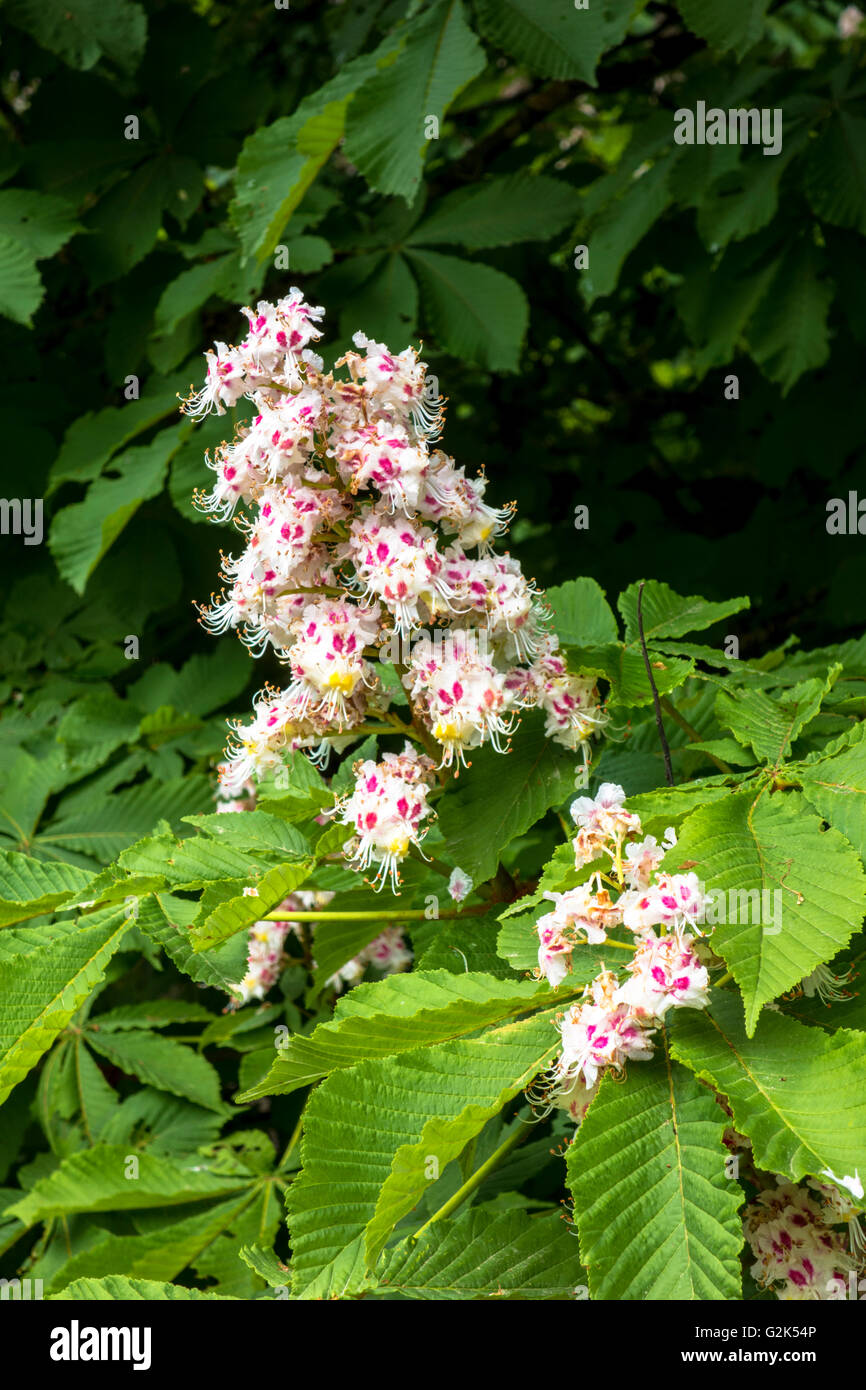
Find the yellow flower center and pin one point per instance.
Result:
(342, 680)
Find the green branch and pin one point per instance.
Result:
(414, 914)
(521, 1131)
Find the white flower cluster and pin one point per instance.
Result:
(386, 809)
(798, 1253)
(360, 534)
(616, 1019)
(265, 951)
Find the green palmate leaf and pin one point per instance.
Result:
(738, 28)
(339, 942)
(266, 1265)
(26, 784)
(298, 791)
(32, 225)
(307, 254)
(42, 988)
(254, 1066)
(502, 798)
(152, 1013)
(386, 128)
(107, 887)
(768, 725)
(113, 823)
(343, 1277)
(788, 333)
(240, 912)
(203, 684)
(161, 1063)
(172, 1128)
(713, 657)
(82, 533)
(161, 1254)
(787, 1086)
(278, 164)
(624, 668)
(115, 1289)
(581, 614)
(222, 1262)
(836, 787)
(656, 1213)
(40, 221)
(192, 289)
(396, 1015)
(475, 311)
(836, 171)
(83, 31)
(486, 1254)
(222, 277)
(670, 804)
(21, 288)
(621, 226)
(103, 1179)
(10, 1229)
(460, 946)
(381, 294)
(30, 887)
(554, 40)
(101, 718)
(372, 1131)
(252, 830)
(233, 1029)
(745, 199)
(92, 440)
(727, 749)
(20, 941)
(519, 207)
(668, 614)
(166, 920)
(127, 221)
(717, 301)
(98, 1102)
(791, 894)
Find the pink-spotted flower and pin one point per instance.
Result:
(582, 914)
(601, 1035)
(386, 810)
(665, 974)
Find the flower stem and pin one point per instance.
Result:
(381, 729)
(413, 914)
(296, 1134)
